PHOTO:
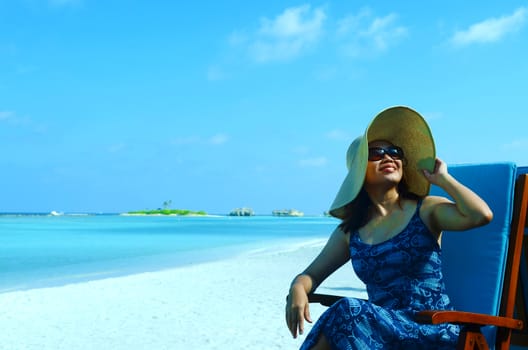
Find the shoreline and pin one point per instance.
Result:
(177, 308)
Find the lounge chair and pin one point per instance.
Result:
(520, 337)
(481, 265)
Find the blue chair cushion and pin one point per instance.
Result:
(474, 261)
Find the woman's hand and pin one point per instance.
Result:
(438, 174)
(297, 309)
(334, 254)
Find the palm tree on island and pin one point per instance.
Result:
(167, 211)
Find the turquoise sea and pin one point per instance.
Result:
(40, 250)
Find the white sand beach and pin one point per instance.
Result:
(230, 304)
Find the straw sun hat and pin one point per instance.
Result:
(402, 127)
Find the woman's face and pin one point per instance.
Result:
(385, 163)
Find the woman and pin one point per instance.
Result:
(391, 230)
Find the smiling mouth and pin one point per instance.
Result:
(388, 167)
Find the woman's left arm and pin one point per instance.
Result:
(467, 211)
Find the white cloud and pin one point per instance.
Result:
(59, 3)
(5, 115)
(519, 144)
(364, 34)
(215, 73)
(313, 162)
(292, 24)
(8, 49)
(301, 150)
(25, 69)
(288, 35)
(116, 147)
(492, 29)
(339, 135)
(13, 118)
(298, 30)
(186, 140)
(16, 120)
(429, 116)
(326, 73)
(237, 38)
(218, 139)
(352, 22)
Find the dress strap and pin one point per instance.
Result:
(418, 206)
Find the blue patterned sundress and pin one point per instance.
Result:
(403, 276)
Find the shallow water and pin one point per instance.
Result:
(39, 250)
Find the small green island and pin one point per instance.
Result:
(178, 212)
(166, 210)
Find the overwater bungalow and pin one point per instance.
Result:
(287, 212)
(241, 212)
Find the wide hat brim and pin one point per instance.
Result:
(403, 127)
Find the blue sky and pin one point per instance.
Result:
(110, 106)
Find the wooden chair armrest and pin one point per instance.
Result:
(468, 318)
(439, 316)
(323, 299)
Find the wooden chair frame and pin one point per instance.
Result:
(470, 335)
(521, 305)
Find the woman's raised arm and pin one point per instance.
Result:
(467, 210)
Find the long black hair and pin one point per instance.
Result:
(357, 212)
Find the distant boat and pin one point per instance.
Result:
(55, 213)
(287, 212)
(241, 212)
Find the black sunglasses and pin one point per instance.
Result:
(377, 153)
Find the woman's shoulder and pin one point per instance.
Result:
(342, 236)
(429, 204)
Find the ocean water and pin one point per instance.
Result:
(38, 251)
